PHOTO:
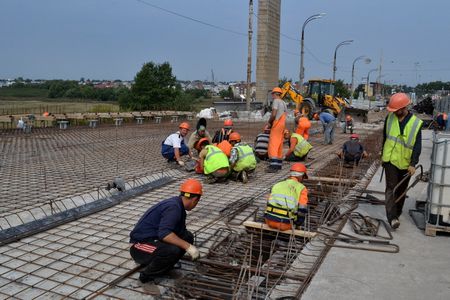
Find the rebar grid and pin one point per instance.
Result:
(89, 242)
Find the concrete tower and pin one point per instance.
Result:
(268, 47)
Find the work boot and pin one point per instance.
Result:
(395, 223)
(144, 278)
(244, 176)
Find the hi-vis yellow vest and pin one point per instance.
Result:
(215, 160)
(283, 200)
(398, 148)
(302, 147)
(247, 160)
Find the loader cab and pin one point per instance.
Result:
(317, 89)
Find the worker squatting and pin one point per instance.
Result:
(160, 238)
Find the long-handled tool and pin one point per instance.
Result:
(407, 176)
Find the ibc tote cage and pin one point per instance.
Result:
(438, 202)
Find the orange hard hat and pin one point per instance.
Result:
(185, 125)
(354, 136)
(348, 117)
(46, 114)
(191, 186)
(277, 90)
(234, 136)
(225, 146)
(398, 101)
(200, 142)
(298, 169)
(228, 123)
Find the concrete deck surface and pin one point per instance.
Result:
(419, 271)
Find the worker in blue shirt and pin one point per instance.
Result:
(328, 122)
(160, 237)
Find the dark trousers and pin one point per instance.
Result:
(293, 157)
(393, 177)
(352, 159)
(163, 258)
(169, 152)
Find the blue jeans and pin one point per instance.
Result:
(329, 132)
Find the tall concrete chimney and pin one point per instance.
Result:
(268, 47)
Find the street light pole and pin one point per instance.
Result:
(302, 51)
(352, 89)
(347, 42)
(368, 82)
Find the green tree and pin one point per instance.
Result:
(227, 93)
(154, 87)
(341, 90)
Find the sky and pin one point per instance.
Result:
(112, 39)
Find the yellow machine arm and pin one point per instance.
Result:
(293, 93)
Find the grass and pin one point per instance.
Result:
(37, 106)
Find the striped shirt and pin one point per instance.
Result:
(262, 143)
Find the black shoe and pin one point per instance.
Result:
(144, 278)
(271, 170)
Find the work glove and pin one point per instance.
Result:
(180, 162)
(193, 252)
(411, 170)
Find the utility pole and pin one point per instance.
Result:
(249, 58)
(379, 74)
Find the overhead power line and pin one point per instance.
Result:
(192, 19)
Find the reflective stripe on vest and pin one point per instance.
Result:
(215, 160)
(246, 159)
(397, 148)
(302, 147)
(283, 200)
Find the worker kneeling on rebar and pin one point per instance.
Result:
(288, 200)
(160, 238)
(213, 162)
(242, 158)
(352, 151)
(299, 147)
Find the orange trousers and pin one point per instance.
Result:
(278, 225)
(275, 149)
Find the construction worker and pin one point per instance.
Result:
(328, 122)
(223, 133)
(262, 143)
(441, 120)
(277, 125)
(174, 146)
(200, 133)
(288, 200)
(402, 145)
(225, 146)
(303, 125)
(242, 158)
(213, 162)
(348, 125)
(160, 237)
(299, 147)
(352, 151)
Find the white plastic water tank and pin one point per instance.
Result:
(440, 179)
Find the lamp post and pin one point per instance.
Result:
(347, 42)
(367, 61)
(368, 82)
(302, 46)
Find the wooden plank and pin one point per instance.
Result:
(297, 232)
